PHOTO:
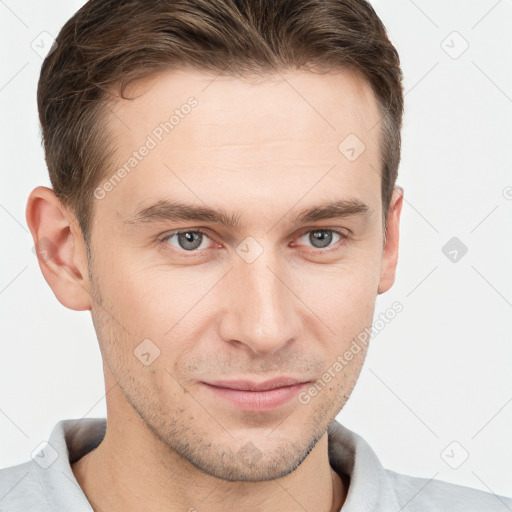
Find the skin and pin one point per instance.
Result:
(170, 442)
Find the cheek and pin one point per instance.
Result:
(342, 294)
(157, 310)
(150, 298)
(145, 296)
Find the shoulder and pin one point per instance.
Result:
(20, 489)
(417, 494)
(373, 487)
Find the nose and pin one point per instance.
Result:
(261, 310)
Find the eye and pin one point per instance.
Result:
(187, 240)
(193, 240)
(322, 238)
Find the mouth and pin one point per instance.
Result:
(252, 396)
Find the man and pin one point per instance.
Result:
(224, 203)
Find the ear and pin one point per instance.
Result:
(390, 252)
(60, 248)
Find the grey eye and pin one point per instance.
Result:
(189, 240)
(321, 238)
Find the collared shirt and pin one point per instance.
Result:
(46, 483)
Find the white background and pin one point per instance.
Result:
(440, 372)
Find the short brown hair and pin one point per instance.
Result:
(108, 43)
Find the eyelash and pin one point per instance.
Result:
(188, 254)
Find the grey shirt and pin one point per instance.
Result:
(46, 482)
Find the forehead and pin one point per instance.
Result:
(301, 102)
(214, 136)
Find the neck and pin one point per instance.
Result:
(133, 470)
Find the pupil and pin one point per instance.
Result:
(189, 237)
(322, 236)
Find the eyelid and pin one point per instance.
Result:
(342, 231)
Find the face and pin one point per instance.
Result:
(263, 291)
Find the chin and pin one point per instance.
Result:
(249, 464)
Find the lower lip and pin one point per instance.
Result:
(257, 401)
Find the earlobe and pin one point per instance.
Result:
(390, 252)
(60, 248)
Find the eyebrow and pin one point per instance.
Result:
(165, 210)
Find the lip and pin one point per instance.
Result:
(247, 385)
(257, 396)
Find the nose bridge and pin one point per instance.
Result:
(261, 312)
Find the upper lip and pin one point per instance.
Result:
(247, 385)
